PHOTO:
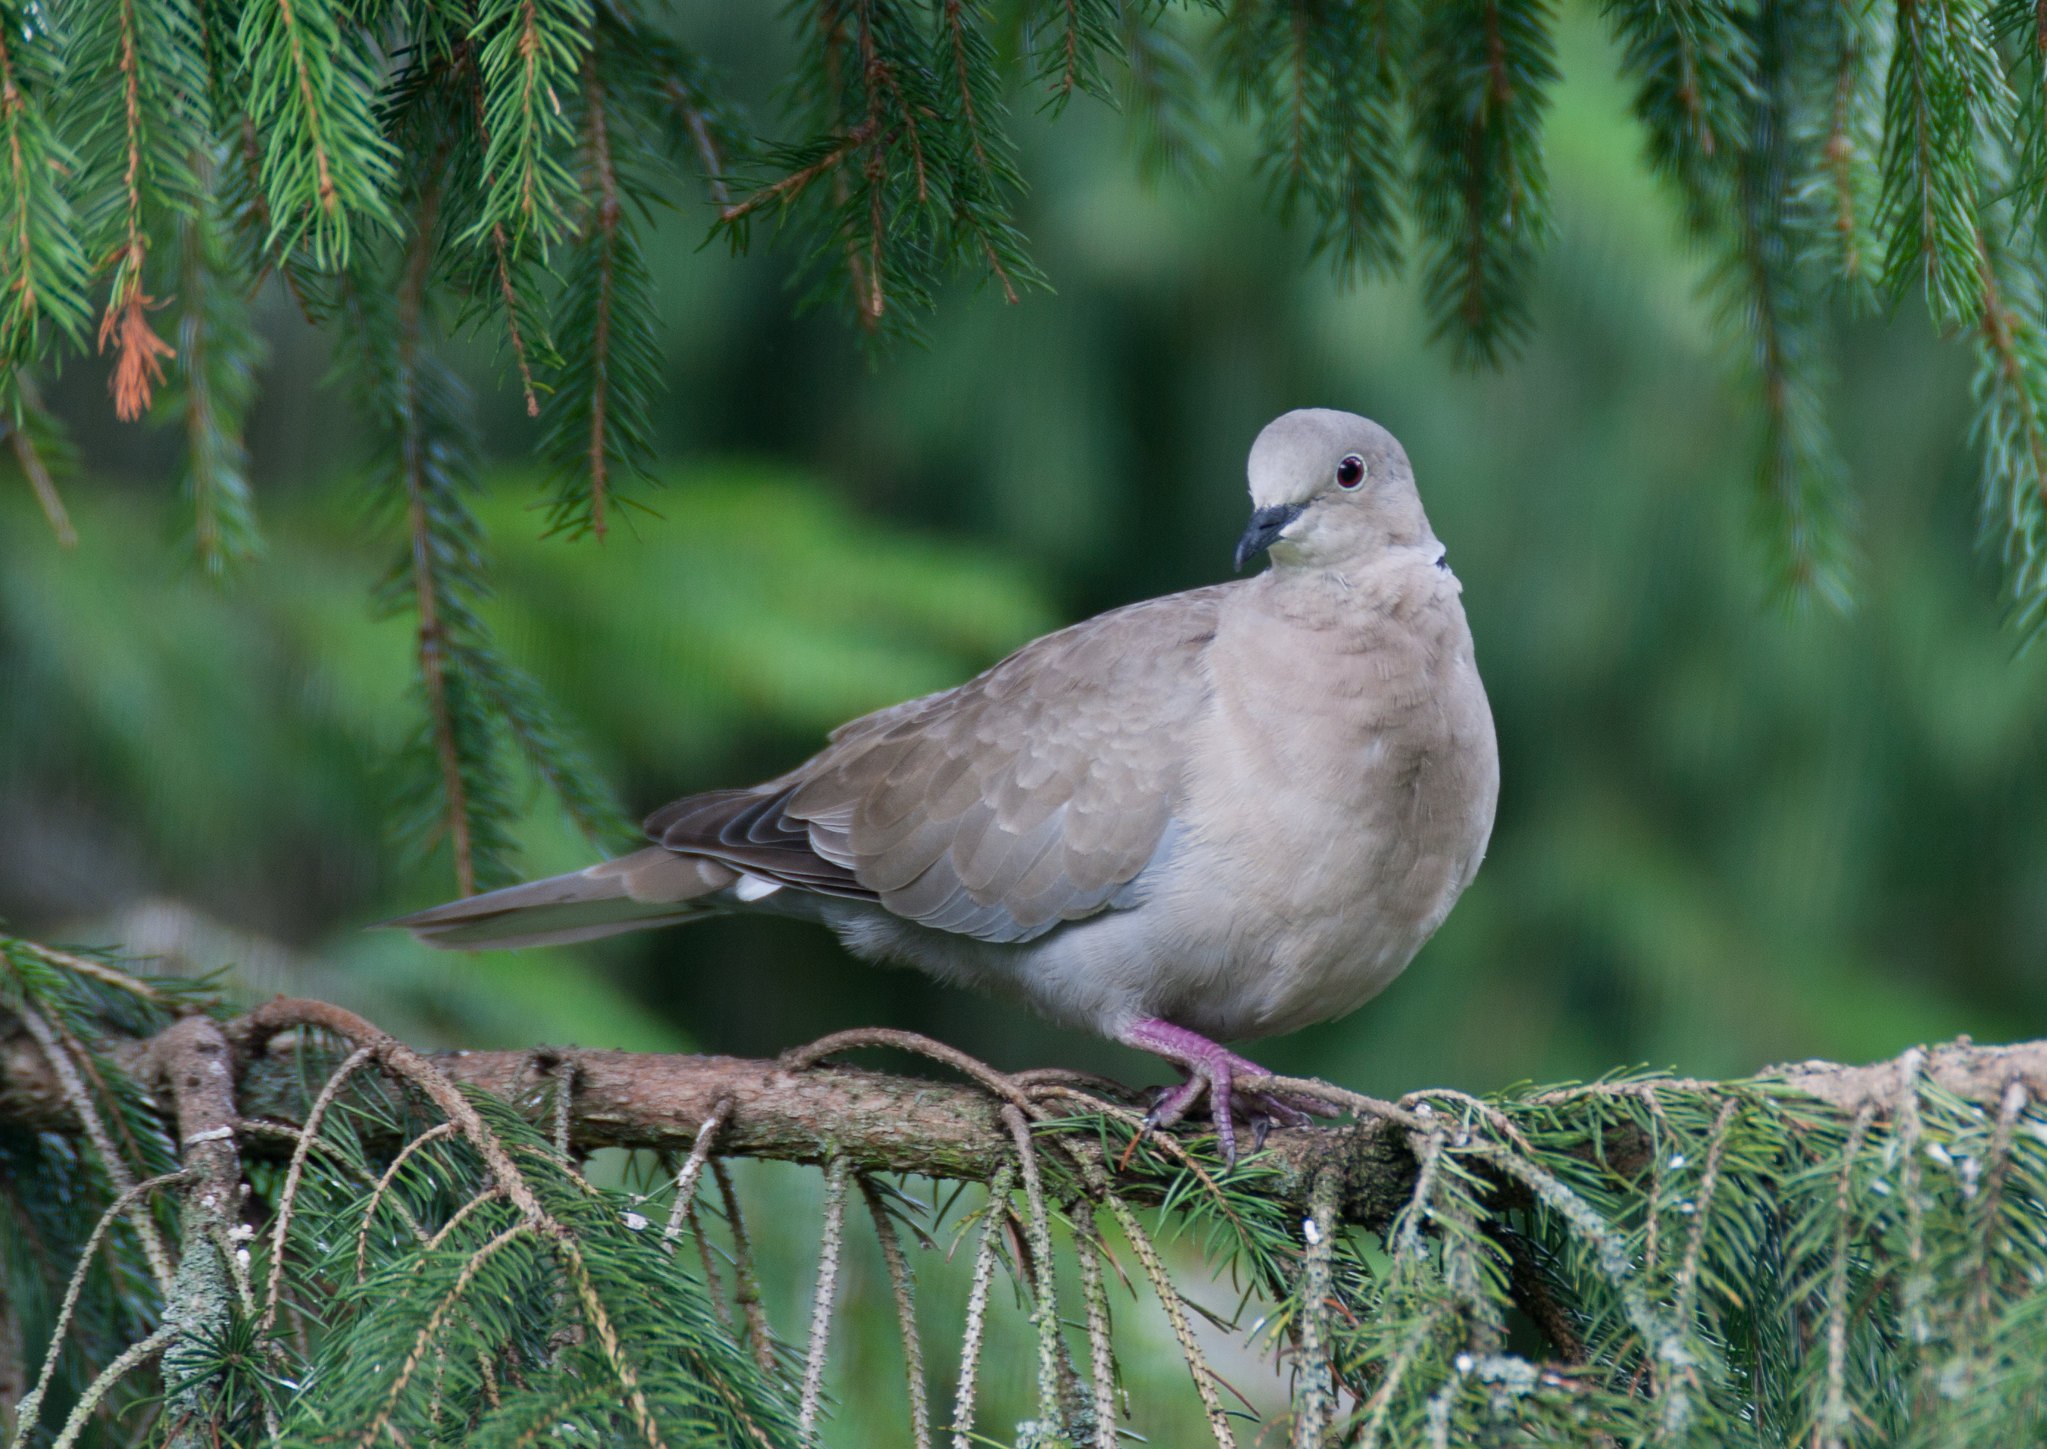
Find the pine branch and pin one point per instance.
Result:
(596, 424)
(221, 354)
(890, 1123)
(452, 786)
(907, 177)
(1695, 68)
(1945, 85)
(36, 441)
(1328, 82)
(1843, 185)
(529, 55)
(1784, 1257)
(1480, 195)
(45, 271)
(480, 716)
(499, 277)
(2020, 30)
(1799, 474)
(327, 171)
(1071, 46)
(426, 507)
(2011, 393)
(1163, 98)
(137, 155)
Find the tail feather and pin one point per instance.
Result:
(654, 887)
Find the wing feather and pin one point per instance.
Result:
(1030, 795)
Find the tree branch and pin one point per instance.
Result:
(884, 1122)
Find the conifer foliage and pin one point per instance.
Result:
(290, 1229)
(412, 168)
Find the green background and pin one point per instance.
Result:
(1731, 832)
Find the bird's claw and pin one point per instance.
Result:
(1259, 1111)
(1212, 1070)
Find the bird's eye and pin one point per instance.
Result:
(1350, 472)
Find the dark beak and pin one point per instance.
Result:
(1266, 525)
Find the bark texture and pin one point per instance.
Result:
(801, 1109)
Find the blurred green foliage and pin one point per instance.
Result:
(1729, 834)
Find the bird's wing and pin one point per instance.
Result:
(1030, 795)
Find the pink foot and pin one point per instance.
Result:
(1212, 1070)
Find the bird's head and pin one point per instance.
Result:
(1329, 488)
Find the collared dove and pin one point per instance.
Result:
(1225, 813)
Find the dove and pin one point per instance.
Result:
(1218, 815)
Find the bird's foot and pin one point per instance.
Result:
(1212, 1071)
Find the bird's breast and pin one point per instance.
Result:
(1342, 790)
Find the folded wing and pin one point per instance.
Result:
(1033, 794)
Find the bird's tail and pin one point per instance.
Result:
(653, 887)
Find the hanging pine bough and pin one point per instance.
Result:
(289, 1228)
(493, 168)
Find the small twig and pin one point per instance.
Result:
(1088, 1248)
(976, 1325)
(902, 1286)
(604, 219)
(1702, 1210)
(1988, 1236)
(461, 1215)
(30, 1408)
(362, 1238)
(428, 1330)
(693, 1169)
(1143, 1132)
(101, 972)
(830, 1246)
(1045, 1310)
(1407, 1245)
(500, 246)
(487, 1371)
(408, 1065)
(1659, 1135)
(713, 1285)
(423, 550)
(608, 1340)
(1484, 1110)
(683, 100)
(805, 1057)
(563, 1071)
(1086, 1085)
(237, 1259)
(1176, 1316)
(296, 1171)
(1358, 1102)
(29, 459)
(792, 185)
(88, 1402)
(746, 1287)
(96, 1132)
(1835, 1411)
(1364, 1425)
